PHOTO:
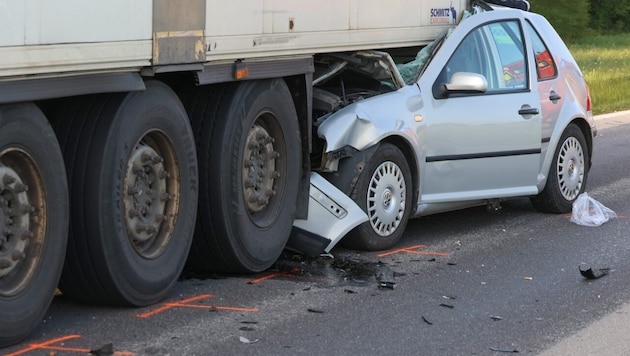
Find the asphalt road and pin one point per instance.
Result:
(469, 282)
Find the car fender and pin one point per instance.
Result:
(572, 111)
(365, 123)
(550, 148)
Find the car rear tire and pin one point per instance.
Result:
(33, 219)
(249, 148)
(567, 175)
(132, 170)
(383, 190)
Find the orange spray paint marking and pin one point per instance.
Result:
(185, 304)
(413, 250)
(291, 273)
(50, 345)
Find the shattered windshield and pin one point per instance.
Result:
(411, 71)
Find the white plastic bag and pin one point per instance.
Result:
(589, 212)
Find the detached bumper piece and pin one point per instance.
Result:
(331, 215)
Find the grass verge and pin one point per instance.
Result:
(605, 62)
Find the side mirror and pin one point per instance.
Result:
(466, 82)
(460, 83)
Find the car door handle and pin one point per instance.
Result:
(528, 111)
(553, 96)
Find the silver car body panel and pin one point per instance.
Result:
(331, 213)
(557, 116)
(471, 148)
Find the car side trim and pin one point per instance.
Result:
(483, 155)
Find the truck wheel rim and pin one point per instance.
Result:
(261, 176)
(386, 198)
(22, 220)
(571, 167)
(151, 196)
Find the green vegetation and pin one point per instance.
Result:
(598, 35)
(609, 16)
(569, 17)
(605, 62)
(574, 19)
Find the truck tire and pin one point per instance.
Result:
(132, 168)
(33, 219)
(249, 148)
(567, 175)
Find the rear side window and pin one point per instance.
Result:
(511, 52)
(545, 66)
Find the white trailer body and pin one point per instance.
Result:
(62, 37)
(138, 136)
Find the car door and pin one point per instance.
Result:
(481, 142)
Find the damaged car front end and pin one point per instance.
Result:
(496, 109)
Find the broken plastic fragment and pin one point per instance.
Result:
(496, 349)
(105, 350)
(245, 340)
(388, 285)
(317, 311)
(426, 320)
(590, 273)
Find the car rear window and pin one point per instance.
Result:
(545, 65)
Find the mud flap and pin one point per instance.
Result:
(331, 215)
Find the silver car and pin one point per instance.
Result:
(497, 109)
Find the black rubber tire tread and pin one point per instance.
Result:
(202, 104)
(550, 200)
(353, 176)
(97, 133)
(25, 126)
(225, 237)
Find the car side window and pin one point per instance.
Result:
(545, 65)
(497, 52)
(508, 40)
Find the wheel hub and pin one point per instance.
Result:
(571, 168)
(14, 220)
(259, 169)
(387, 199)
(146, 194)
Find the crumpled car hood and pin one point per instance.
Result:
(364, 123)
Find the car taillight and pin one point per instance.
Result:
(589, 104)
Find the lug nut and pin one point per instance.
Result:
(8, 179)
(17, 255)
(146, 157)
(27, 209)
(20, 188)
(26, 235)
(164, 175)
